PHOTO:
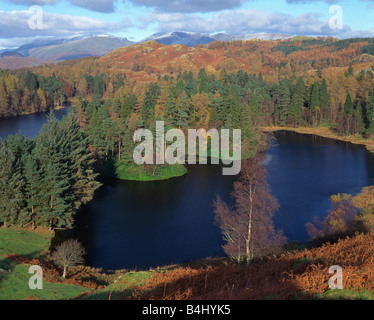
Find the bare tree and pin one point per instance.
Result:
(247, 227)
(69, 254)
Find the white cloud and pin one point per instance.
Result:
(240, 22)
(106, 6)
(190, 6)
(15, 24)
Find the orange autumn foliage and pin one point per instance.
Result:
(299, 274)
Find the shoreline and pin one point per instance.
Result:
(364, 200)
(38, 112)
(325, 132)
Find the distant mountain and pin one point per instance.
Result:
(10, 54)
(190, 38)
(41, 51)
(78, 48)
(38, 43)
(264, 36)
(185, 38)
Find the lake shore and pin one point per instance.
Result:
(326, 132)
(363, 200)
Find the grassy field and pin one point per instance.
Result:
(122, 287)
(14, 283)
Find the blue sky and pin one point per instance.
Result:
(137, 19)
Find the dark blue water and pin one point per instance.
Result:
(143, 224)
(134, 224)
(305, 170)
(29, 125)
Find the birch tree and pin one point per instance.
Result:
(247, 226)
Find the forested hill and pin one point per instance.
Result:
(294, 82)
(274, 59)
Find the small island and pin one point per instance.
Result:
(132, 172)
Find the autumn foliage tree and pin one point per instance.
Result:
(337, 220)
(247, 227)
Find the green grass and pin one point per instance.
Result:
(23, 242)
(135, 172)
(14, 284)
(348, 295)
(121, 288)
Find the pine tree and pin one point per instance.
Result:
(128, 147)
(182, 113)
(370, 112)
(283, 102)
(81, 165)
(170, 112)
(32, 188)
(11, 186)
(348, 106)
(323, 98)
(231, 107)
(314, 98)
(297, 102)
(52, 152)
(56, 209)
(358, 118)
(148, 107)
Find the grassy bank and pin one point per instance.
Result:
(14, 282)
(300, 274)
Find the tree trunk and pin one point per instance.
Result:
(32, 219)
(119, 149)
(64, 274)
(248, 241)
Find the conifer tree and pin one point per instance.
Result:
(283, 102)
(370, 112)
(231, 107)
(52, 152)
(170, 111)
(148, 107)
(297, 102)
(348, 106)
(324, 99)
(81, 165)
(32, 188)
(11, 186)
(182, 113)
(358, 118)
(314, 98)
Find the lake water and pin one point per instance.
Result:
(142, 224)
(29, 125)
(147, 224)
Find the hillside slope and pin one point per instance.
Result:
(147, 61)
(301, 275)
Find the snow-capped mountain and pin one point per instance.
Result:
(191, 38)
